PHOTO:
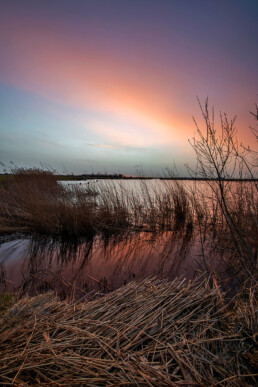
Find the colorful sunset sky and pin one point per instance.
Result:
(110, 85)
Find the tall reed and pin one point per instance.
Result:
(34, 201)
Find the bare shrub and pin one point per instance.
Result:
(219, 160)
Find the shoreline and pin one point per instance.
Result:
(8, 176)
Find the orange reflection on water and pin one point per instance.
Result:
(36, 266)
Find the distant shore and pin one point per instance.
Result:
(126, 177)
(84, 177)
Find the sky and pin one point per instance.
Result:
(110, 86)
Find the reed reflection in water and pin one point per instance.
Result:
(37, 265)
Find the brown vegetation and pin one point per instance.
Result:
(152, 333)
(34, 201)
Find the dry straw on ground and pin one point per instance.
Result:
(151, 333)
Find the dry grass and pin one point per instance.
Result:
(151, 333)
(33, 201)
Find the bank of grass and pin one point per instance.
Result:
(149, 333)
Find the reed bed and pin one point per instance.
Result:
(149, 333)
(33, 201)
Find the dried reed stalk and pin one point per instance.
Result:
(150, 333)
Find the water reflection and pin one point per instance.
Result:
(35, 265)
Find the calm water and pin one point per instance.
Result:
(34, 265)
